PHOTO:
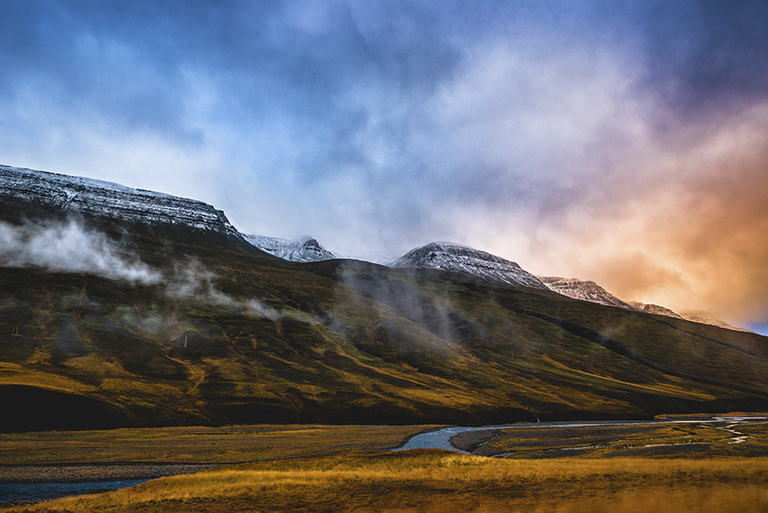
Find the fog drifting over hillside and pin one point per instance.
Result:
(68, 247)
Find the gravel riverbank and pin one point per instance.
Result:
(101, 472)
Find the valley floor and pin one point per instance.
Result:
(350, 468)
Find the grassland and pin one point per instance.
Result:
(342, 468)
(439, 481)
(689, 440)
(196, 445)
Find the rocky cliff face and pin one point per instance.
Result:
(464, 260)
(33, 193)
(305, 249)
(584, 290)
(655, 309)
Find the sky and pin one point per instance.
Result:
(620, 142)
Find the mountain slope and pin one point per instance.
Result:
(305, 249)
(455, 258)
(708, 318)
(225, 334)
(590, 291)
(28, 189)
(583, 290)
(656, 309)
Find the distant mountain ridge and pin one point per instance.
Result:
(590, 291)
(26, 190)
(305, 249)
(655, 309)
(708, 318)
(456, 258)
(584, 290)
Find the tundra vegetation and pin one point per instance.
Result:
(662, 467)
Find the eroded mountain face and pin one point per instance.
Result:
(583, 290)
(464, 260)
(305, 249)
(33, 193)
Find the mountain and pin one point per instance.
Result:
(27, 190)
(220, 332)
(305, 249)
(656, 309)
(455, 258)
(708, 318)
(590, 291)
(583, 290)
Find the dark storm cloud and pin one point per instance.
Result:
(703, 54)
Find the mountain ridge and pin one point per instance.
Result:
(304, 249)
(229, 334)
(29, 190)
(583, 290)
(457, 258)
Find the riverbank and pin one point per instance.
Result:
(105, 472)
(432, 480)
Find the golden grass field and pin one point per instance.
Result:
(431, 480)
(344, 468)
(198, 445)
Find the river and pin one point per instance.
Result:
(441, 439)
(13, 494)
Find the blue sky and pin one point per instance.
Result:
(622, 142)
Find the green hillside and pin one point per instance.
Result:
(233, 335)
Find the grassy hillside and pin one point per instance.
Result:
(232, 335)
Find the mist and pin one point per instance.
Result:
(69, 247)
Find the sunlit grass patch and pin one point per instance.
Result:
(667, 440)
(436, 480)
(230, 444)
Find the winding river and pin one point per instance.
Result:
(30, 492)
(441, 439)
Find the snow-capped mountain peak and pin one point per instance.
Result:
(26, 190)
(304, 249)
(456, 258)
(590, 291)
(584, 290)
(655, 309)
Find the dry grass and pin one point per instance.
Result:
(440, 481)
(704, 440)
(198, 445)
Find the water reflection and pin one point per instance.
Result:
(27, 493)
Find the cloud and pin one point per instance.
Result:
(192, 281)
(69, 247)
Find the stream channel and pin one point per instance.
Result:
(441, 438)
(15, 494)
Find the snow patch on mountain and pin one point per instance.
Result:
(23, 188)
(583, 290)
(590, 291)
(655, 309)
(695, 316)
(305, 249)
(456, 258)
(708, 318)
